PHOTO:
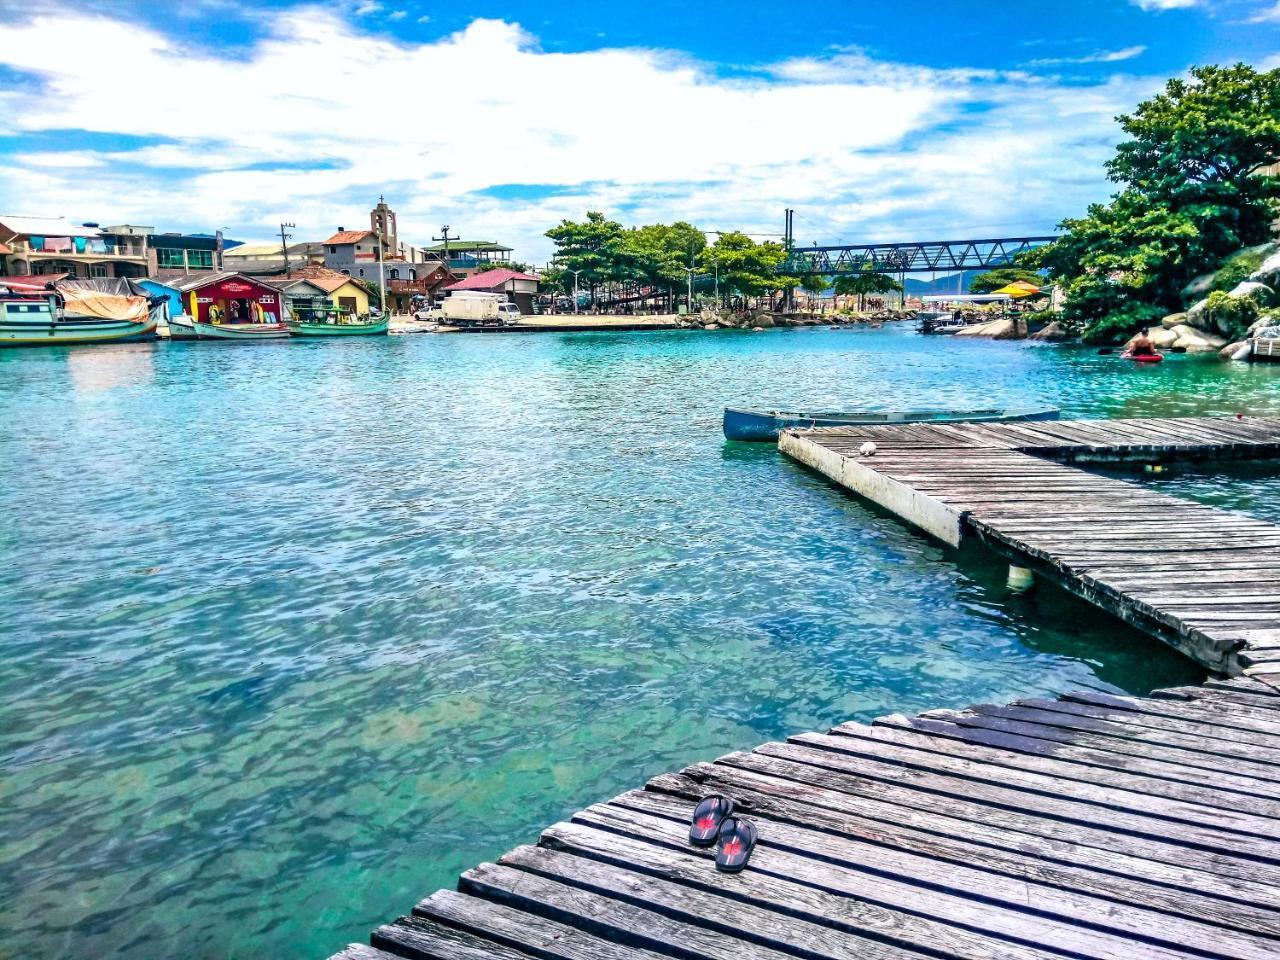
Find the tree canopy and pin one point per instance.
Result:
(745, 267)
(864, 283)
(1002, 277)
(1190, 196)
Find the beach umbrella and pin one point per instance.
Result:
(1019, 289)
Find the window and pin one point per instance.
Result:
(169, 258)
(97, 270)
(333, 249)
(394, 274)
(200, 259)
(346, 273)
(413, 274)
(361, 272)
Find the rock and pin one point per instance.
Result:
(1197, 341)
(757, 329)
(1236, 351)
(1173, 320)
(711, 326)
(1004, 329)
(765, 322)
(1260, 292)
(1197, 315)
(1269, 272)
(1052, 333)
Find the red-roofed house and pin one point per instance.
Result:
(519, 287)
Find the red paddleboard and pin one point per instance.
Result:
(1142, 357)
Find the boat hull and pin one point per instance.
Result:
(70, 332)
(375, 328)
(763, 426)
(185, 328)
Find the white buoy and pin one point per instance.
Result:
(1021, 579)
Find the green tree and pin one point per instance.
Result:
(745, 267)
(1002, 277)
(660, 254)
(864, 283)
(594, 247)
(1191, 196)
(516, 265)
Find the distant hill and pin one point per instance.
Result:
(951, 283)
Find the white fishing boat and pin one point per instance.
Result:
(74, 312)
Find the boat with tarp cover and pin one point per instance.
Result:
(35, 312)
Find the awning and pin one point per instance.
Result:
(1019, 289)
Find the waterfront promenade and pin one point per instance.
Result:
(1090, 825)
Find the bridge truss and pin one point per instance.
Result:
(924, 257)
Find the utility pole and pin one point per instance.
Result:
(445, 238)
(788, 241)
(284, 243)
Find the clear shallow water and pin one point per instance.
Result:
(291, 634)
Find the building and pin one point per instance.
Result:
(342, 291)
(229, 298)
(52, 245)
(268, 259)
(520, 288)
(172, 295)
(407, 282)
(466, 256)
(175, 255)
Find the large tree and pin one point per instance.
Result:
(745, 267)
(593, 247)
(661, 254)
(864, 283)
(1190, 196)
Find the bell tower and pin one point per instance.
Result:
(382, 220)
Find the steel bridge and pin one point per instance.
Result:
(923, 257)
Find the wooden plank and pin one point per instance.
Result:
(1166, 779)
(893, 881)
(1247, 757)
(1178, 764)
(801, 893)
(358, 951)
(1209, 717)
(666, 916)
(525, 932)
(418, 939)
(1069, 866)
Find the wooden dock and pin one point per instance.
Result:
(1087, 826)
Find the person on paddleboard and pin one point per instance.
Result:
(1142, 345)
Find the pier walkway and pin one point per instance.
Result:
(1090, 825)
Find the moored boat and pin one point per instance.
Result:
(76, 312)
(336, 326)
(188, 328)
(764, 425)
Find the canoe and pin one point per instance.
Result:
(187, 328)
(308, 328)
(764, 425)
(1142, 357)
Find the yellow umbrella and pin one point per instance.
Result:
(1019, 289)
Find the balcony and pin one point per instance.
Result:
(92, 250)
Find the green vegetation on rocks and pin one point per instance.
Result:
(1191, 197)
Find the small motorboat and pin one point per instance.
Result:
(336, 324)
(764, 425)
(188, 328)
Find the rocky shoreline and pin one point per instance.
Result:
(770, 319)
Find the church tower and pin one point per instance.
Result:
(382, 220)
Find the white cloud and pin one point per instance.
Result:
(1271, 15)
(1160, 5)
(1098, 56)
(862, 148)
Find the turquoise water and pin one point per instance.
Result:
(290, 634)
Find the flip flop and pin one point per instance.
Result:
(737, 840)
(707, 817)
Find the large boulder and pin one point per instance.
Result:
(1260, 293)
(1269, 272)
(1239, 350)
(1052, 333)
(1197, 315)
(1005, 328)
(1173, 320)
(1161, 338)
(1194, 340)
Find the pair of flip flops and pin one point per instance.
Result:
(714, 823)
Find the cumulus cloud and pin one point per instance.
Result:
(295, 129)
(1159, 5)
(1266, 15)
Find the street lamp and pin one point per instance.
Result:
(575, 289)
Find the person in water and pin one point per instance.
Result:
(1142, 345)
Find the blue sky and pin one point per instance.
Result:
(910, 120)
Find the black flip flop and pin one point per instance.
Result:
(707, 817)
(737, 840)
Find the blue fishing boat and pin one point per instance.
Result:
(764, 425)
